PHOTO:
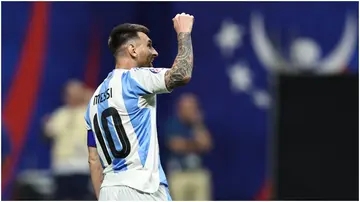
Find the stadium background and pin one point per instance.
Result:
(46, 43)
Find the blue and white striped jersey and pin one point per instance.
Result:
(122, 116)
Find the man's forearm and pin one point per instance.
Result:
(202, 138)
(96, 172)
(180, 73)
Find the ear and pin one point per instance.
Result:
(132, 50)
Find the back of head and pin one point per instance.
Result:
(122, 33)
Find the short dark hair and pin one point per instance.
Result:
(122, 33)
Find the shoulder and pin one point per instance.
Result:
(147, 70)
(59, 111)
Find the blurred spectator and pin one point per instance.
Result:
(88, 93)
(188, 140)
(66, 127)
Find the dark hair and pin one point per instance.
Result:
(122, 33)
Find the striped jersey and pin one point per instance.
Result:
(121, 116)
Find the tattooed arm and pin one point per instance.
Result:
(180, 73)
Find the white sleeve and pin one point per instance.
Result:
(151, 80)
(87, 119)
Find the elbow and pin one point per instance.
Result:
(187, 79)
(181, 81)
(175, 79)
(92, 160)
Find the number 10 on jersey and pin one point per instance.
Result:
(125, 151)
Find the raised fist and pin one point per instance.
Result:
(183, 23)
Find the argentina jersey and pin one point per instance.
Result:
(121, 119)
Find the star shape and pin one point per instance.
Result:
(261, 99)
(229, 37)
(241, 77)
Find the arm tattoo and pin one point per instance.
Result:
(181, 71)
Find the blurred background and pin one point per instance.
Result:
(275, 86)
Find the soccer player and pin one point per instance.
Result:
(121, 116)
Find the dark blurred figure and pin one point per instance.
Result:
(66, 128)
(188, 140)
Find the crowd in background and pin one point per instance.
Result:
(186, 137)
(215, 141)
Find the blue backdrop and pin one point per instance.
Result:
(44, 44)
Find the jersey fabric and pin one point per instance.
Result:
(124, 193)
(122, 117)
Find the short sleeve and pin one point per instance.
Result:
(148, 80)
(87, 119)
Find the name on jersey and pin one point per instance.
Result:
(101, 97)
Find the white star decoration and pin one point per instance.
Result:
(261, 99)
(240, 76)
(229, 38)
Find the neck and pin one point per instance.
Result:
(125, 63)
